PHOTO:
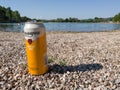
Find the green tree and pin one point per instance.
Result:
(66, 20)
(60, 20)
(96, 19)
(9, 13)
(116, 18)
(16, 16)
(73, 19)
(24, 19)
(2, 14)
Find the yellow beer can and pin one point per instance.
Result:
(36, 48)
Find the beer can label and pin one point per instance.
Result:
(32, 35)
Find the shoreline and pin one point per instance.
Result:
(82, 31)
(60, 31)
(76, 61)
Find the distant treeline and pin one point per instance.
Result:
(8, 15)
(96, 19)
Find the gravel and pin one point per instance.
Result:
(77, 61)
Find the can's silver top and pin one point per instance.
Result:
(33, 22)
(29, 25)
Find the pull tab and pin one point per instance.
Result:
(30, 41)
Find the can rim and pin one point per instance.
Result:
(32, 22)
(36, 25)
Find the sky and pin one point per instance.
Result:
(52, 9)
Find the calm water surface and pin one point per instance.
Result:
(77, 27)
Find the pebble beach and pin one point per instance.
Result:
(77, 61)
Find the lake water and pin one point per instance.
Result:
(75, 27)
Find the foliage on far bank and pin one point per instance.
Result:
(70, 19)
(116, 18)
(8, 15)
